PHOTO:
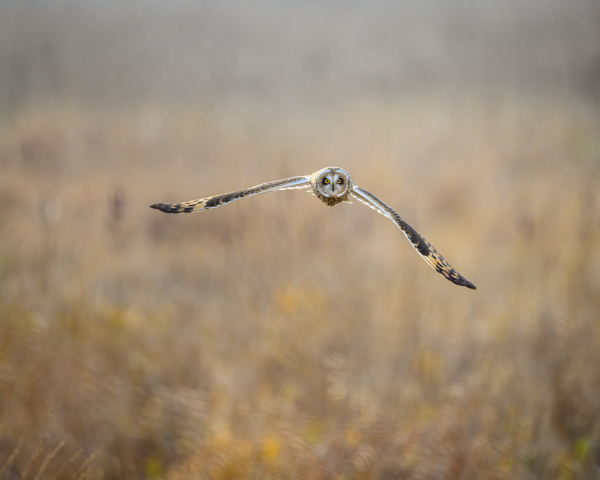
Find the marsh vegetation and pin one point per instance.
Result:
(277, 338)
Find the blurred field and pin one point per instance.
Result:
(274, 337)
(277, 338)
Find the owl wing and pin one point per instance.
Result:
(225, 198)
(425, 249)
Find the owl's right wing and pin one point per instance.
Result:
(225, 198)
(425, 249)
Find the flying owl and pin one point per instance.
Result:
(331, 185)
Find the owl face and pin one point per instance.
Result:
(333, 183)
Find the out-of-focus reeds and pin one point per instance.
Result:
(277, 338)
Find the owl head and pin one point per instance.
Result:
(331, 183)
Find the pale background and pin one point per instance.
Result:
(275, 337)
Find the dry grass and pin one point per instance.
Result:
(276, 338)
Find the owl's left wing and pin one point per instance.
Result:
(225, 198)
(425, 249)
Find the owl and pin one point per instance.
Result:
(331, 185)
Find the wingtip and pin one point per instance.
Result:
(160, 206)
(471, 286)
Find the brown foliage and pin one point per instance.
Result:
(276, 338)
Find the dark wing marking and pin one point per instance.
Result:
(225, 198)
(425, 249)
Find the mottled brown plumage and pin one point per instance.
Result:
(331, 185)
(224, 198)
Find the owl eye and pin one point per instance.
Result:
(339, 181)
(326, 181)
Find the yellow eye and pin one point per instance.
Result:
(339, 181)
(326, 181)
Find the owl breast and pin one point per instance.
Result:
(330, 201)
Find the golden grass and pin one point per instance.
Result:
(276, 338)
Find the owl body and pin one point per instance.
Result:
(331, 185)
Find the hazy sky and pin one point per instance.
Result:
(139, 49)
